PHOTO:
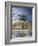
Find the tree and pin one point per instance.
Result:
(23, 18)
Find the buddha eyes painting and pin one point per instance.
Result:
(21, 21)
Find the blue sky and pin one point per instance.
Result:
(22, 10)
